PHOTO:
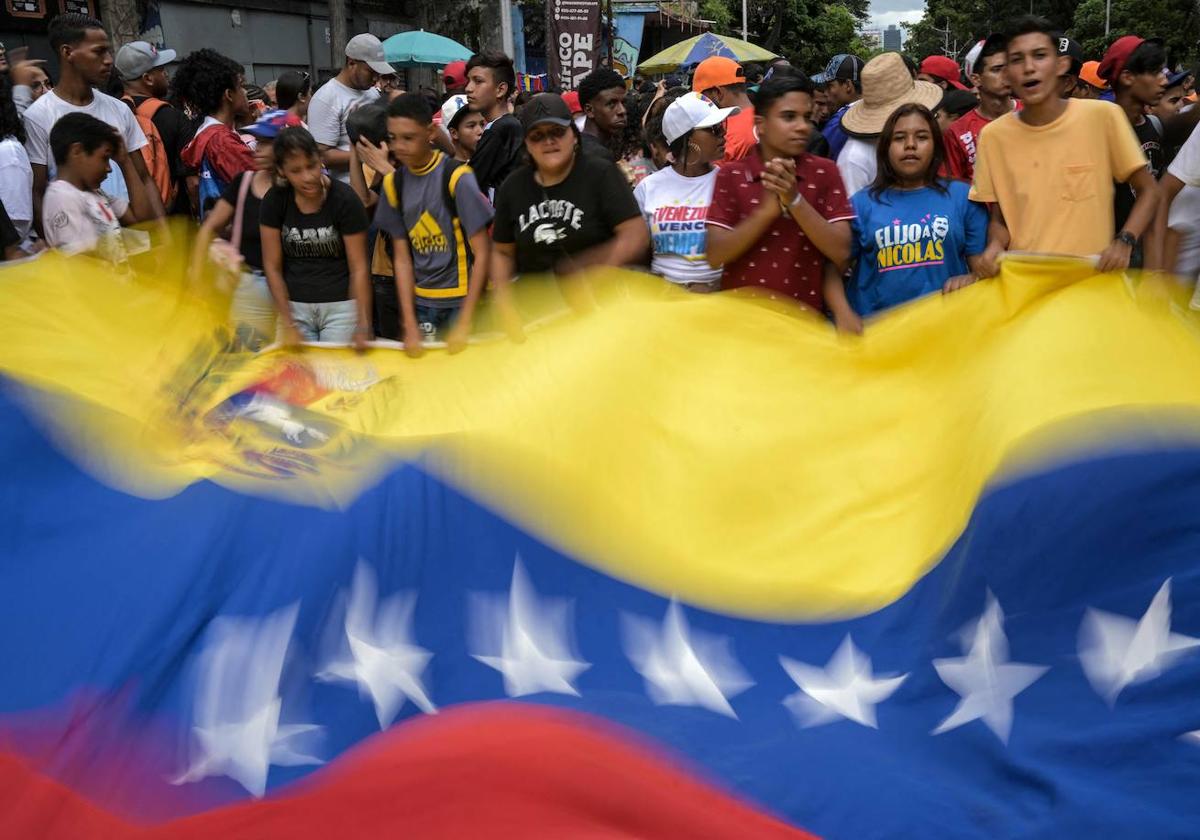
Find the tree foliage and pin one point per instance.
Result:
(1175, 21)
(723, 17)
(807, 32)
(459, 20)
(952, 26)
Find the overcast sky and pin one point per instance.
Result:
(884, 12)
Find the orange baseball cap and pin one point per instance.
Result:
(717, 71)
(1090, 73)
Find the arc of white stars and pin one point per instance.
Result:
(683, 667)
(984, 678)
(1116, 651)
(535, 652)
(236, 726)
(845, 688)
(383, 661)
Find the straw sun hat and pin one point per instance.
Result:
(886, 85)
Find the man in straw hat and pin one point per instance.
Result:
(886, 85)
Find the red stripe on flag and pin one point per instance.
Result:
(496, 770)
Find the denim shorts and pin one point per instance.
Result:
(332, 322)
(434, 323)
(253, 311)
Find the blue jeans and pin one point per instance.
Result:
(434, 323)
(252, 310)
(332, 322)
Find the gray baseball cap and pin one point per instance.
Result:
(366, 47)
(137, 58)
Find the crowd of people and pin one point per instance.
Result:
(356, 210)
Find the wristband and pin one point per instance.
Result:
(798, 199)
(1127, 238)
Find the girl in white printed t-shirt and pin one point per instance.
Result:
(675, 200)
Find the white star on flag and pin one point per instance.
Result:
(681, 667)
(237, 707)
(1116, 651)
(383, 662)
(535, 650)
(984, 678)
(845, 688)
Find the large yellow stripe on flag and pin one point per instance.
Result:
(730, 452)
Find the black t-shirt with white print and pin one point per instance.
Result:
(1150, 140)
(314, 254)
(549, 224)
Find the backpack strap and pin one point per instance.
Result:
(240, 211)
(453, 175)
(1157, 123)
(149, 107)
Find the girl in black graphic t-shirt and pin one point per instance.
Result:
(314, 249)
(565, 211)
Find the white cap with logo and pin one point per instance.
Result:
(692, 111)
(453, 108)
(366, 47)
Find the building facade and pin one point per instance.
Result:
(266, 36)
(893, 38)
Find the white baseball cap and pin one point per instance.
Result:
(692, 111)
(453, 107)
(968, 62)
(366, 47)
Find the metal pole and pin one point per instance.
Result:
(745, 30)
(506, 32)
(1107, 15)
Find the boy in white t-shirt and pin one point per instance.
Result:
(85, 63)
(76, 216)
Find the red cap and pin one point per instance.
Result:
(454, 75)
(1114, 60)
(571, 97)
(942, 67)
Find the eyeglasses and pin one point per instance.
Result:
(550, 132)
(717, 130)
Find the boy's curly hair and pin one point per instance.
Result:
(203, 77)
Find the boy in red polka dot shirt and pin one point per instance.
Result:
(780, 215)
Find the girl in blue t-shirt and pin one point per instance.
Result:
(914, 232)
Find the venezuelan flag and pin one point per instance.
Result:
(675, 566)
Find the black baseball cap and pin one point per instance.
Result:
(545, 108)
(1071, 49)
(842, 66)
(957, 102)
